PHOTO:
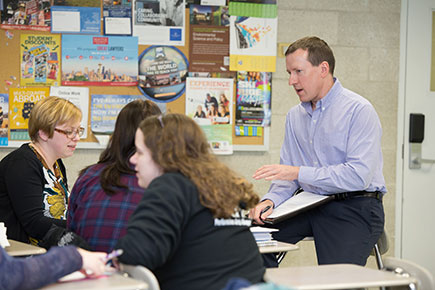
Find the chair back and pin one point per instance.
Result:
(142, 273)
(424, 278)
(380, 248)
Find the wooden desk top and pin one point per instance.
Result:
(338, 276)
(279, 247)
(112, 282)
(22, 249)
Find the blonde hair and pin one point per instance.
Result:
(50, 112)
(178, 144)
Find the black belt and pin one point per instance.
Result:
(347, 195)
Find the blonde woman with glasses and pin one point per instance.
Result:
(33, 183)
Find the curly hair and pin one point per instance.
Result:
(178, 144)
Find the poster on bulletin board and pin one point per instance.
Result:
(159, 22)
(39, 55)
(94, 60)
(21, 102)
(253, 43)
(162, 73)
(4, 119)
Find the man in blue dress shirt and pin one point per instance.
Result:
(332, 146)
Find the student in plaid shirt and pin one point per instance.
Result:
(106, 194)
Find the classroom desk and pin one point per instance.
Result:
(280, 249)
(114, 282)
(337, 276)
(17, 248)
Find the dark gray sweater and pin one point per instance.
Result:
(174, 236)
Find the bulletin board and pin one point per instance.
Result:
(10, 74)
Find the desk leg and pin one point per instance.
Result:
(280, 257)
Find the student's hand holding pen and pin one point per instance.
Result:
(261, 211)
(93, 263)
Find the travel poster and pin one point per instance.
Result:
(209, 102)
(253, 44)
(117, 17)
(91, 60)
(253, 100)
(4, 120)
(162, 73)
(21, 102)
(26, 15)
(159, 22)
(39, 56)
(79, 96)
(209, 39)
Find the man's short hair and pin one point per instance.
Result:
(318, 51)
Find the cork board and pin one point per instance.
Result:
(10, 77)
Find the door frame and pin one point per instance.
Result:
(401, 128)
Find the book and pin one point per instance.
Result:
(263, 236)
(296, 204)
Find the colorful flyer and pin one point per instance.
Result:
(99, 60)
(209, 102)
(21, 102)
(253, 101)
(209, 43)
(26, 15)
(159, 22)
(79, 96)
(253, 44)
(162, 73)
(39, 55)
(105, 109)
(4, 119)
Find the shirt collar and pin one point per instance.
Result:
(328, 99)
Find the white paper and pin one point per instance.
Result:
(3, 238)
(262, 230)
(79, 96)
(117, 25)
(297, 202)
(67, 21)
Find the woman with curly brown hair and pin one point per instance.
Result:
(187, 228)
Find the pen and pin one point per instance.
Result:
(263, 211)
(113, 254)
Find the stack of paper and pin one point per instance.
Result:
(3, 239)
(263, 236)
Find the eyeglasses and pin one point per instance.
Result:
(71, 133)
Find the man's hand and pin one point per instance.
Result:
(277, 172)
(256, 213)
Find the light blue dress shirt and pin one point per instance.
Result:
(337, 146)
